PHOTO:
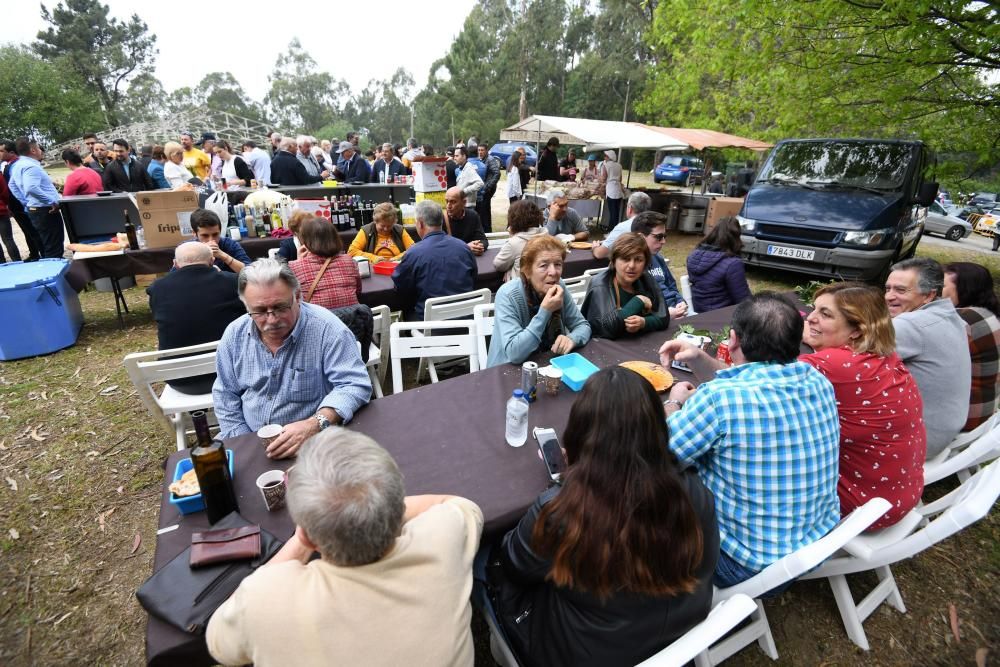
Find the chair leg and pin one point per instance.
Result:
(376, 382)
(180, 432)
(702, 660)
(848, 610)
(894, 598)
(766, 639)
(757, 630)
(432, 371)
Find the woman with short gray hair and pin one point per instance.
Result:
(391, 585)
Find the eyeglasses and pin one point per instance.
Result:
(277, 311)
(658, 237)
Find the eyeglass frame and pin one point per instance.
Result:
(277, 312)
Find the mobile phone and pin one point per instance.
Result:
(697, 341)
(552, 455)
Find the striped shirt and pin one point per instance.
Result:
(318, 365)
(764, 439)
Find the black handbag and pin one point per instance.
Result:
(186, 598)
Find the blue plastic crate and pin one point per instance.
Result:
(195, 503)
(41, 311)
(575, 369)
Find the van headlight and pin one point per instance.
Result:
(746, 224)
(869, 239)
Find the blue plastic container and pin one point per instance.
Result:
(41, 311)
(575, 368)
(195, 503)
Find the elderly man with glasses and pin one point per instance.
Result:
(286, 362)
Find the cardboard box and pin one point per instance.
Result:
(166, 216)
(431, 196)
(720, 207)
(430, 175)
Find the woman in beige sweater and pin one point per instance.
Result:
(524, 222)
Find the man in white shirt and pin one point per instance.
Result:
(391, 586)
(259, 161)
(468, 177)
(638, 202)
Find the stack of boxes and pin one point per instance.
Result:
(430, 180)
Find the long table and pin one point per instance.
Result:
(376, 290)
(458, 449)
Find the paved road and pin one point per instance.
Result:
(974, 243)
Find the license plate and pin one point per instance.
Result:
(793, 253)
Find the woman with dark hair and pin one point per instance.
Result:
(329, 277)
(624, 298)
(883, 441)
(970, 288)
(716, 270)
(288, 249)
(234, 168)
(617, 561)
(536, 312)
(514, 192)
(524, 222)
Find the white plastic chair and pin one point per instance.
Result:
(686, 293)
(969, 455)
(590, 273)
(782, 571)
(724, 617)
(497, 236)
(378, 351)
(577, 287)
(453, 307)
(967, 504)
(482, 315)
(170, 406)
(428, 347)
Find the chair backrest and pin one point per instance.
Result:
(482, 315)
(381, 319)
(590, 273)
(724, 617)
(809, 556)
(455, 306)
(497, 236)
(577, 284)
(686, 293)
(983, 449)
(415, 347)
(148, 368)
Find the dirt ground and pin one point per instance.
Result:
(81, 464)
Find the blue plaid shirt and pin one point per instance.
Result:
(317, 366)
(764, 439)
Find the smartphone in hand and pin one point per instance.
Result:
(552, 454)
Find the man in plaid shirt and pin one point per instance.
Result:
(763, 436)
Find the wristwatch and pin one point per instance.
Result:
(672, 401)
(323, 422)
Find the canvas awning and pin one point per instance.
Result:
(594, 135)
(702, 139)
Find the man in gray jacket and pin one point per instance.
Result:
(931, 340)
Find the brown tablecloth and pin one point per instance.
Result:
(458, 449)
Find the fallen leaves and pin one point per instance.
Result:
(12, 483)
(953, 620)
(103, 516)
(981, 654)
(136, 542)
(36, 436)
(14, 534)
(107, 391)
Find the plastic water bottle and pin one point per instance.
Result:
(517, 419)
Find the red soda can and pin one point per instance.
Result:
(722, 353)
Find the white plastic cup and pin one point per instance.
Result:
(234, 233)
(268, 433)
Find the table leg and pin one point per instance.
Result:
(119, 301)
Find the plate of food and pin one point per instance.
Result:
(654, 373)
(580, 245)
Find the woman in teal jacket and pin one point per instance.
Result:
(536, 312)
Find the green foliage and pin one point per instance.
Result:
(382, 110)
(105, 52)
(303, 98)
(43, 99)
(807, 292)
(222, 92)
(886, 69)
(145, 100)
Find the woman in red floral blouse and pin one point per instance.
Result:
(323, 255)
(883, 442)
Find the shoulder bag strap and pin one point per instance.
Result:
(312, 288)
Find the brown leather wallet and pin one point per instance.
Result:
(228, 544)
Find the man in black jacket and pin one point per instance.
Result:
(193, 305)
(352, 168)
(286, 169)
(124, 173)
(484, 206)
(548, 161)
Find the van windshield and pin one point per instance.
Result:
(857, 165)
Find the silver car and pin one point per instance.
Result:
(939, 221)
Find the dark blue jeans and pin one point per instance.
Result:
(614, 211)
(729, 573)
(50, 228)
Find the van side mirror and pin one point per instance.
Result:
(928, 194)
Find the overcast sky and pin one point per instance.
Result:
(355, 41)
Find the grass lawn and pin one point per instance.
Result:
(81, 467)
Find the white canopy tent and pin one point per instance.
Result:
(593, 135)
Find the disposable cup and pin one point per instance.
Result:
(268, 433)
(273, 485)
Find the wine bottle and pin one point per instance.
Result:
(133, 240)
(211, 467)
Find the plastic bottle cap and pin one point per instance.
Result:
(518, 393)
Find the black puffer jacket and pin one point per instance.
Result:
(551, 626)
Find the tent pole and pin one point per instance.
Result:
(628, 179)
(538, 152)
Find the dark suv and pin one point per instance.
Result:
(841, 208)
